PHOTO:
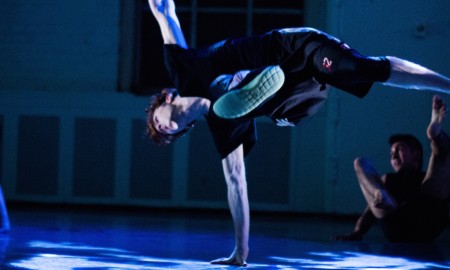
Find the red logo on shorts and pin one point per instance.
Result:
(327, 63)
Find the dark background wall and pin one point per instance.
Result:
(75, 78)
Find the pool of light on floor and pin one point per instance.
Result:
(62, 256)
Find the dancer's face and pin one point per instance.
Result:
(403, 157)
(165, 119)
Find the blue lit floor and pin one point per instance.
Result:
(84, 238)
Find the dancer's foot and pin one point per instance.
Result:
(250, 93)
(439, 109)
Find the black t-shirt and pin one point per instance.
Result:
(419, 218)
(193, 70)
(404, 186)
(192, 75)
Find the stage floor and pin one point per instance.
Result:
(86, 237)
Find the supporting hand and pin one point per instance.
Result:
(237, 258)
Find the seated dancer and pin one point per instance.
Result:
(411, 205)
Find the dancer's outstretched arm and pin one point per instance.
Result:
(164, 12)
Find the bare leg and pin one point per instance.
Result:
(4, 219)
(438, 112)
(406, 74)
(437, 180)
(378, 198)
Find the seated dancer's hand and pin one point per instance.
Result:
(354, 236)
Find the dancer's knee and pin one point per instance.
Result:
(337, 62)
(364, 168)
(360, 163)
(365, 68)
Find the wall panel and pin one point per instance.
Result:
(151, 174)
(205, 181)
(268, 165)
(94, 155)
(37, 155)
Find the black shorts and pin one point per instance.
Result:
(419, 221)
(340, 66)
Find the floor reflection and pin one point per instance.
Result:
(57, 256)
(78, 240)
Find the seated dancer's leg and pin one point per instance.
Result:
(377, 197)
(438, 113)
(256, 88)
(437, 180)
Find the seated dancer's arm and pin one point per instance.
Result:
(362, 226)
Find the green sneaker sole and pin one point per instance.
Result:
(240, 102)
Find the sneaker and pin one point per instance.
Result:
(250, 93)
